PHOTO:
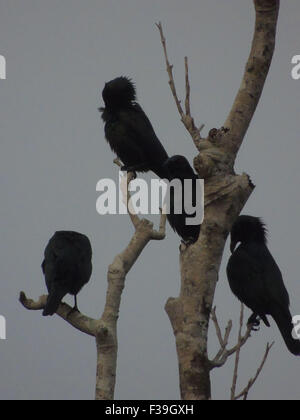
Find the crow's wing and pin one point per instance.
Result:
(143, 133)
(245, 276)
(255, 278)
(65, 256)
(273, 280)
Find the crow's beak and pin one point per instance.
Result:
(101, 109)
(232, 246)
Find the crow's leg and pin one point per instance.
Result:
(75, 309)
(75, 304)
(254, 321)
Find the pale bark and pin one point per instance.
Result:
(105, 329)
(225, 197)
(76, 319)
(190, 312)
(106, 337)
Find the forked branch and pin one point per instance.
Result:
(244, 393)
(189, 313)
(186, 116)
(105, 329)
(223, 354)
(79, 321)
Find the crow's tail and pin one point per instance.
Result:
(283, 320)
(53, 301)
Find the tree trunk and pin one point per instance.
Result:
(225, 196)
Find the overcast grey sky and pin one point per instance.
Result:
(59, 55)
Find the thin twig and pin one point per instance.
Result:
(79, 321)
(223, 341)
(186, 117)
(223, 354)
(237, 355)
(170, 70)
(187, 88)
(201, 127)
(244, 393)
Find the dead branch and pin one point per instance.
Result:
(244, 393)
(225, 197)
(255, 74)
(223, 354)
(79, 321)
(170, 71)
(237, 354)
(186, 117)
(105, 329)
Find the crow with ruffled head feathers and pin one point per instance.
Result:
(67, 267)
(178, 168)
(256, 280)
(128, 129)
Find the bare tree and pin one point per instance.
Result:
(224, 353)
(225, 195)
(105, 329)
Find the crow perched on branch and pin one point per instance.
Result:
(178, 168)
(128, 129)
(67, 267)
(256, 280)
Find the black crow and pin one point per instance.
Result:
(67, 267)
(178, 168)
(256, 280)
(128, 129)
